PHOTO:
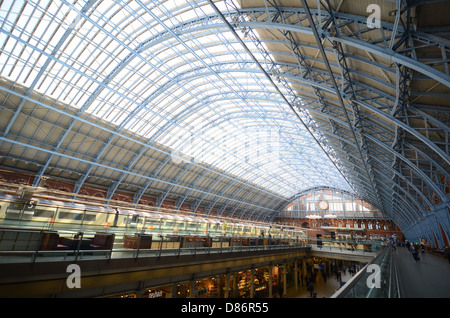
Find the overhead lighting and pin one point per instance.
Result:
(330, 216)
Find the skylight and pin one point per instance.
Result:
(162, 71)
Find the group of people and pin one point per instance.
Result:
(352, 270)
(310, 278)
(415, 249)
(312, 274)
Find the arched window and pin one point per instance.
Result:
(328, 203)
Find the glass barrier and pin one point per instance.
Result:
(378, 279)
(352, 246)
(34, 245)
(47, 229)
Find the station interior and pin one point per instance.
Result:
(224, 149)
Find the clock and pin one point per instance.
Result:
(323, 205)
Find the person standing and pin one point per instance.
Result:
(310, 288)
(415, 252)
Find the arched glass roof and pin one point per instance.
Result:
(231, 106)
(138, 66)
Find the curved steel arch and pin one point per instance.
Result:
(403, 125)
(431, 160)
(412, 131)
(424, 165)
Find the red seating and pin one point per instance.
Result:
(102, 241)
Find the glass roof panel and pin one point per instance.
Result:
(189, 87)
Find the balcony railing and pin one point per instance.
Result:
(18, 246)
(378, 279)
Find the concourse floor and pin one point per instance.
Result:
(427, 278)
(322, 288)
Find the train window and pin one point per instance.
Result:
(153, 222)
(21, 207)
(44, 213)
(90, 217)
(169, 224)
(70, 215)
(77, 216)
(180, 224)
(191, 225)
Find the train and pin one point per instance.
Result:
(135, 228)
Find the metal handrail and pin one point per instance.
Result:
(75, 253)
(358, 286)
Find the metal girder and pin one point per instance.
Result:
(4, 139)
(43, 68)
(352, 42)
(259, 18)
(422, 161)
(405, 177)
(401, 106)
(409, 128)
(143, 145)
(380, 141)
(415, 191)
(305, 119)
(349, 86)
(349, 89)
